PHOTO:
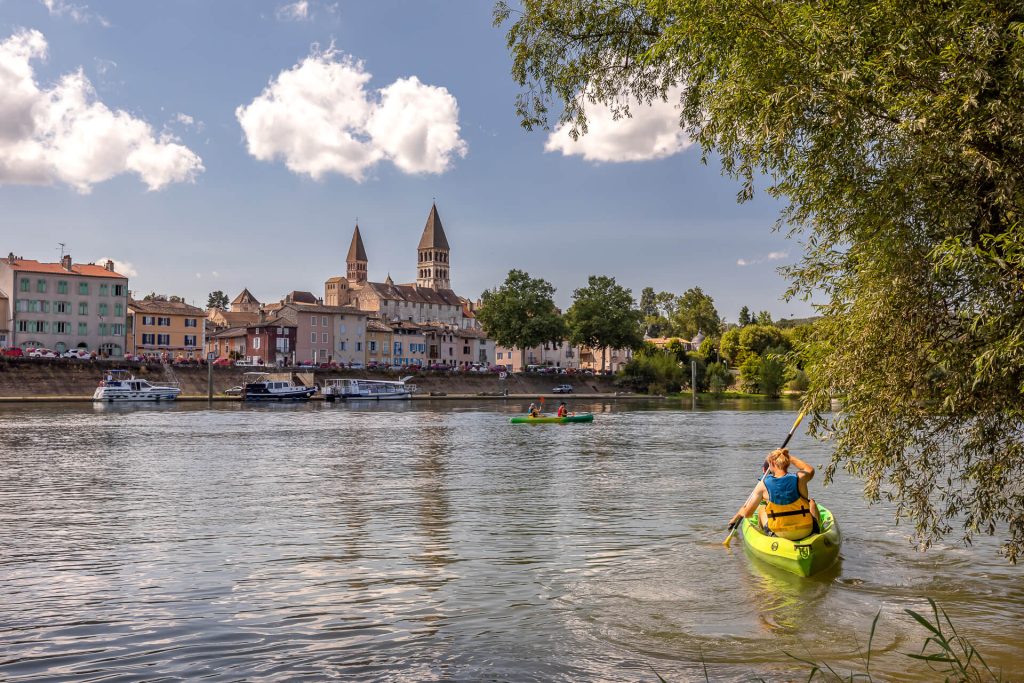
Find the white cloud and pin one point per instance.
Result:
(320, 118)
(296, 11)
(215, 274)
(79, 14)
(772, 256)
(652, 132)
(64, 134)
(120, 267)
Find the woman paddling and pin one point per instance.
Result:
(790, 513)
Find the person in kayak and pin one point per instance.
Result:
(789, 512)
(532, 411)
(562, 410)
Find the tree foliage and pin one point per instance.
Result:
(895, 132)
(744, 318)
(603, 316)
(217, 299)
(657, 309)
(521, 312)
(696, 312)
(655, 372)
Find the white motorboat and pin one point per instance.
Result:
(259, 386)
(368, 389)
(121, 385)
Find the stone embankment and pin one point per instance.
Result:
(35, 378)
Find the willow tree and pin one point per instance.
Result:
(895, 132)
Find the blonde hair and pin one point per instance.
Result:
(779, 458)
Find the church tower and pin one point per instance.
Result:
(356, 260)
(432, 255)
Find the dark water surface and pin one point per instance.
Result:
(435, 541)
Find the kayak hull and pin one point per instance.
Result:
(805, 557)
(550, 419)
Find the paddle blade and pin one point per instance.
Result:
(728, 539)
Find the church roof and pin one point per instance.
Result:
(433, 233)
(415, 294)
(356, 252)
(245, 297)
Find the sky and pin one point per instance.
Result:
(219, 145)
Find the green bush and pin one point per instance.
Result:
(655, 373)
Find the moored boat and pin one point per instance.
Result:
(552, 419)
(121, 385)
(259, 386)
(368, 390)
(805, 557)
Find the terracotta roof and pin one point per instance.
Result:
(168, 307)
(228, 333)
(245, 297)
(239, 318)
(356, 252)
(273, 322)
(376, 326)
(337, 278)
(300, 298)
(86, 269)
(320, 308)
(433, 232)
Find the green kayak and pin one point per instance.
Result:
(547, 419)
(805, 557)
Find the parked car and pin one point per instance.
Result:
(12, 352)
(78, 354)
(233, 391)
(249, 363)
(562, 389)
(43, 353)
(222, 362)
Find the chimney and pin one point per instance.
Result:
(109, 265)
(65, 262)
(11, 259)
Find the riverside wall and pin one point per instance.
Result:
(32, 378)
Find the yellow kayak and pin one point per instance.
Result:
(805, 557)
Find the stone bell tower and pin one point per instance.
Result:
(356, 261)
(432, 255)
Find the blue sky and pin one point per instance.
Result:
(221, 145)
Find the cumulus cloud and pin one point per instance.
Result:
(652, 132)
(79, 14)
(771, 256)
(120, 267)
(320, 117)
(64, 134)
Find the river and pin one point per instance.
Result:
(435, 541)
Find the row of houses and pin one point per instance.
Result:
(68, 305)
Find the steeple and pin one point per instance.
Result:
(432, 254)
(357, 261)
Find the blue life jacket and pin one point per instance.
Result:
(782, 490)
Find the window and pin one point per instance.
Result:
(104, 290)
(359, 346)
(323, 337)
(117, 330)
(256, 342)
(119, 290)
(62, 286)
(103, 329)
(312, 337)
(33, 306)
(190, 322)
(41, 286)
(341, 346)
(373, 347)
(62, 328)
(23, 285)
(83, 308)
(149, 320)
(104, 310)
(21, 305)
(119, 310)
(341, 328)
(465, 350)
(500, 355)
(83, 328)
(398, 348)
(163, 340)
(62, 307)
(44, 306)
(312, 321)
(83, 288)
(149, 339)
(190, 340)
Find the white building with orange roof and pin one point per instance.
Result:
(65, 305)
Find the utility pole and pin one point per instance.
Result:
(210, 357)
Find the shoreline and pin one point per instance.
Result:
(421, 397)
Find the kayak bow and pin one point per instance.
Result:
(805, 557)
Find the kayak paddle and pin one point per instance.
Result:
(736, 525)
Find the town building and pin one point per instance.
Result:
(379, 339)
(429, 311)
(162, 327)
(64, 305)
(324, 334)
(271, 341)
(560, 355)
(245, 310)
(229, 342)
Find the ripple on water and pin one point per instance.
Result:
(438, 542)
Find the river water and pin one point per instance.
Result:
(435, 541)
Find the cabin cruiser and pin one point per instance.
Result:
(368, 389)
(259, 386)
(121, 385)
